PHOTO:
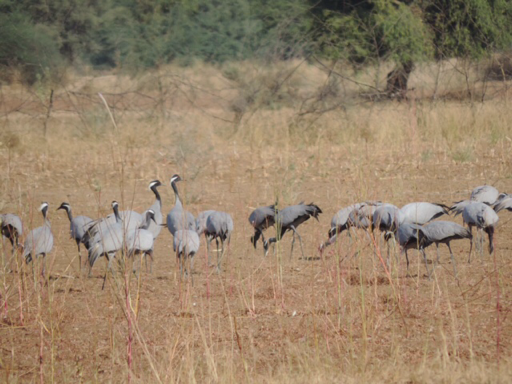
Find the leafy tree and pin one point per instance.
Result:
(368, 31)
(469, 28)
(32, 48)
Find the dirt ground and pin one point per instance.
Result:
(336, 317)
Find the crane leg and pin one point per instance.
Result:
(90, 270)
(453, 259)
(180, 264)
(490, 233)
(293, 242)
(105, 276)
(219, 260)
(33, 270)
(109, 268)
(146, 255)
(426, 264)
(208, 250)
(79, 258)
(266, 244)
(481, 243)
(136, 270)
(300, 240)
(192, 269)
(388, 262)
(43, 268)
(184, 260)
(394, 251)
(218, 257)
(471, 243)
(407, 260)
(263, 241)
(437, 249)
(256, 236)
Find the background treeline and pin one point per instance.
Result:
(39, 37)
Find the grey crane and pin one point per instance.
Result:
(486, 194)
(11, 228)
(341, 220)
(289, 218)
(130, 220)
(458, 207)
(387, 218)
(362, 217)
(412, 236)
(443, 232)
(140, 241)
(261, 219)
(178, 218)
(201, 228)
(186, 245)
(155, 225)
(201, 221)
(39, 241)
(483, 217)
(339, 223)
(504, 202)
(77, 228)
(108, 239)
(219, 226)
(357, 215)
(422, 212)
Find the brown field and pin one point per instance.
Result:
(336, 318)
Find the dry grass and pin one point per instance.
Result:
(340, 318)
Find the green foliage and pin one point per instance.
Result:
(31, 48)
(376, 29)
(39, 35)
(469, 28)
(400, 32)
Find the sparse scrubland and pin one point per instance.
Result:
(243, 135)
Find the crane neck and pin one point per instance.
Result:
(46, 221)
(157, 195)
(176, 194)
(116, 214)
(145, 223)
(70, 215)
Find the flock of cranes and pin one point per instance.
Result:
(126, 231)
(413, 227)
(132, 233)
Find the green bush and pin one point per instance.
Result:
(32, 49)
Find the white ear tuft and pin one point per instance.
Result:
(43, 206)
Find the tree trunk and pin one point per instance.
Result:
(396, 84)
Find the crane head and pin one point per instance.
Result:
(151, 215)
(175, 178)
(155, 184)
(65, 206)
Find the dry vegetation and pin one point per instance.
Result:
(243, 136)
